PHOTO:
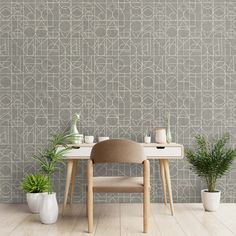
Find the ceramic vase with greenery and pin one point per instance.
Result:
(48, 160)
(210, 161)
(34, 185)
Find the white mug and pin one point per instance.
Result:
(100, 139)
(160, 135)
(147, 139)
(88, 139)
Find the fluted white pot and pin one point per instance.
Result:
(34, 200)
(210, 200)
(48, 209)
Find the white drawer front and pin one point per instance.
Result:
(163, 152)
(150, 152)
(80, 152)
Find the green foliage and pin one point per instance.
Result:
(50, 157)
(35, 183)
(211, 161)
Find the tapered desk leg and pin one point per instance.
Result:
(73, 180)
(168, 182)
(68, 180)
(163, 178)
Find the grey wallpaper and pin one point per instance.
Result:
(123, 65)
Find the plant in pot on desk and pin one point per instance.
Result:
(34, 185)
(211, 161)
(48, 160)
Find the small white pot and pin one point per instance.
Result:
(147, 139)
(49, 209)
(210, 200)
(34, 200)
(88, 139)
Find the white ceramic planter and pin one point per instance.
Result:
(210, 200)
(34, 200)
(48, 209)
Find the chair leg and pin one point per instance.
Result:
(146, 208)
(86, 203)
(90, 210)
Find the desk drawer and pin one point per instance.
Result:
(163, 151)
(79, 152)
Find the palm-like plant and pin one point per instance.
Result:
(50, 157)
(211, 161)
(35, 183)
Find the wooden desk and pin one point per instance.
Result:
(161, 152)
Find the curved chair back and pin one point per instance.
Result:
(117, 150)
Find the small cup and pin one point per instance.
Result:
(100, 139)
(147, 139)
(88, 139)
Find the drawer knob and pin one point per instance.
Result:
(160, 147)
(75, 147)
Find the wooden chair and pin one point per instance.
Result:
(118, 151)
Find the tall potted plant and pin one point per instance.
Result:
(48, 160)
(34, 185)
(210, 161)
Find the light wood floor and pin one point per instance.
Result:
(122, 219)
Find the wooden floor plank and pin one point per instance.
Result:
(210, 222)
(67, 222)
(132, 221)
(12, 215)
(166, 223)
(30, 226)
(227, 215)
(81, 226)
(189, 224)
(121, 220)
(109, 220)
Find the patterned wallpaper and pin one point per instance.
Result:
(123, 64)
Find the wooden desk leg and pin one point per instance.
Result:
(163, 179)
(73, 180)
(68, 179)
(168, 182)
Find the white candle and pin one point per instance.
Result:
(161, 135)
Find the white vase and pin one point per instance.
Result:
(78, 139)
(48, 209)
(34, 200)
(210, 200)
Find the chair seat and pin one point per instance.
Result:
(120, 184)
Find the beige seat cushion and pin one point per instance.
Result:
(120, 184)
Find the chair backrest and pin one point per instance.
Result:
(117, 150)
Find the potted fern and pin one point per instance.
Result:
(210, 161)
(34, 185)
(48, 160)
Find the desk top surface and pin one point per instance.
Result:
(144, 145)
